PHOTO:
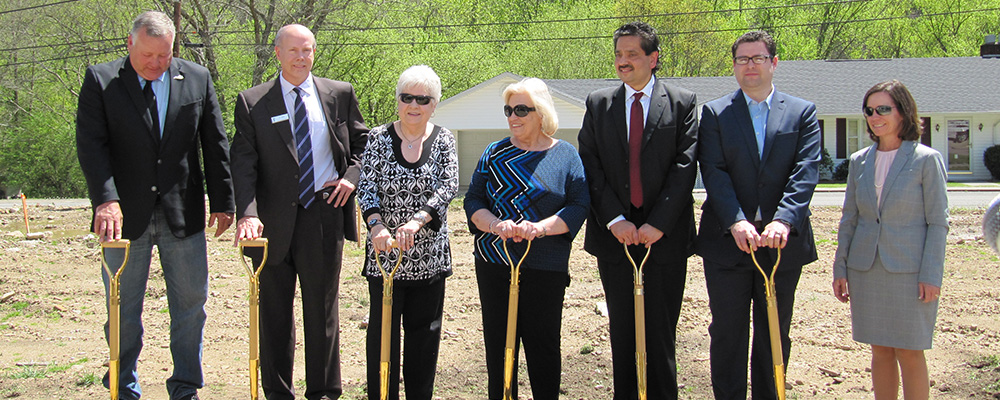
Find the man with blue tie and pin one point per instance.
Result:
(760, 152)
(140, 123)
(296, 161)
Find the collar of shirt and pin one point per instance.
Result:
(647, 91)
(307, 87)
(751, 102)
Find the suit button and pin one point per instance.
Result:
(158, 162)
(152, 189)
(296, 176)
(293, 204)
(760, 185)
(878, 221)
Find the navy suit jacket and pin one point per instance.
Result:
(738, 181)
(124, 159)
(669, 140)
(265, 160)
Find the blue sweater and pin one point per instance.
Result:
(523, 185)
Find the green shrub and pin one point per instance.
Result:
(840, 173)
(991, 157)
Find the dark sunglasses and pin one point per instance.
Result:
(407, 98)
(520, 110)
(881, 110)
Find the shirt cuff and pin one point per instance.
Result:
(614, 221)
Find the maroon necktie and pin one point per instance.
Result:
(634, 149)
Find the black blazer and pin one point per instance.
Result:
(123, 159)
(738, 181)
(668, 168)
(265, 161)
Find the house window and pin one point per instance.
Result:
(851, 136)
(958, 145)
(925, 135)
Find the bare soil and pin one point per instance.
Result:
(52, 311)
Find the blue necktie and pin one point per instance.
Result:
(307, 191)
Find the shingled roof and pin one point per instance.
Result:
(940, 85)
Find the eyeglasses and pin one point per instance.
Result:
(881, 110)
(407, 98)
(758, 59)
(520, 110)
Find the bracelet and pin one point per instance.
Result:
(545, 232)
(494, 222)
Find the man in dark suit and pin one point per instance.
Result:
(296, 161)
(639, 157)
(140, 122)
(760, 152)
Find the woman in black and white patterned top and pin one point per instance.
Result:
(409, 174)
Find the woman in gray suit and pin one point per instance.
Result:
(890, 260)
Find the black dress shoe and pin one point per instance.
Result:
(192, 396)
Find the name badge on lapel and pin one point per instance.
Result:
(279, 118)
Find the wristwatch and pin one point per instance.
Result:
(422, 216)
(373, 223)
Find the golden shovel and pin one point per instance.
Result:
(114, 313)
(383, 364)
(254, 276)
(640, 321)
(772, 324)
(512, 299)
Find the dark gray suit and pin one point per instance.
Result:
(304, 242)
(668, 172)
(738, 182)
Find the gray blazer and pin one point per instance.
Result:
(909, 229)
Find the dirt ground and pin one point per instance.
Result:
(52, 311)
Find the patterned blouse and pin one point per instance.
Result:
(519, 185)
(397, 189)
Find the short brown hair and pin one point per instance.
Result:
(757, 36)
(905, 105)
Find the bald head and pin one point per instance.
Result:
(294, 47)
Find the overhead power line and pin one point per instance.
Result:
(40, 46)
(565, 20)
(661, 34)
(37, 7)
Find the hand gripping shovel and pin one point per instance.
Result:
(383, 361)
(512, 299)
(114, 313)
(772, 324)
(640, 321)
(254, 276)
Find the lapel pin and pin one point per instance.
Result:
(179, 78)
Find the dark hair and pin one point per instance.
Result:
(647, 38)
(905, 105)
(757, 36)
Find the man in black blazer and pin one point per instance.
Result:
(148, 187)
(760, 152)
(296, 161)
(640, 166)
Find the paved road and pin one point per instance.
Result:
(956, 198)
(965, 198)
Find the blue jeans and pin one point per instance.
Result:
(185, 270)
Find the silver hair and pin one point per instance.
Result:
(154, 24)
(281, 32)
(538, 92)
(420, 76)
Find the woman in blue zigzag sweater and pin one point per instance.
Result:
(526, 187)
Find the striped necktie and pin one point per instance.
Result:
(307, 191)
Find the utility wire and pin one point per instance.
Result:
(38, 6)
(39, 46)
(94, 53)
(552, 21)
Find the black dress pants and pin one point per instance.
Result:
(418, 308)
(314, 258)
(731, 291)
(539, 320)
(664, 292)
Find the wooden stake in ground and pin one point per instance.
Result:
(114, 313)
(254, 276)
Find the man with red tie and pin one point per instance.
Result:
(638, 146)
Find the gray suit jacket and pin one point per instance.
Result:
(909, 229)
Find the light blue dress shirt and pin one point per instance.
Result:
(161, 89)
(758, 115)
